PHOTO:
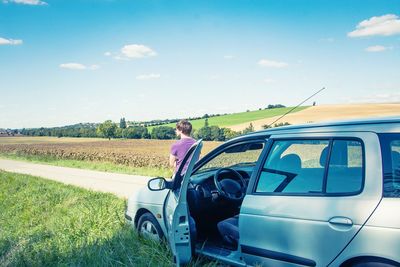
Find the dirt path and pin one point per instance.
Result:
(122, 185)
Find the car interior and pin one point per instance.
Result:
(216, 192)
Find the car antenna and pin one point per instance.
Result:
(320, 90)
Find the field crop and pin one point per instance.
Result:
(45, 223)
(144, 154)
(238, 118)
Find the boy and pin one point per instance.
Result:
(180, 147)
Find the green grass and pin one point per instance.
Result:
(238, 118)
(90, 165)
(46, 223)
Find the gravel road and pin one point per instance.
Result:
(122, 185)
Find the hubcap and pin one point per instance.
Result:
(149, 230)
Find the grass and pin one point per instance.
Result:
(46, 223)
(90, 165)
(238, 118)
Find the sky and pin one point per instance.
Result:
(63, 62)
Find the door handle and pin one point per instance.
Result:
(341, 221)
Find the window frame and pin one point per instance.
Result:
(326, 168)
(384, 142)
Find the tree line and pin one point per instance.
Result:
(124, 129)
(109, 129)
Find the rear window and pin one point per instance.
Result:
(390, 145)
(313, 167)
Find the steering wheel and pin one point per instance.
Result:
(230, 188)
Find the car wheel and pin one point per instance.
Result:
(148, 227)
(372, 264)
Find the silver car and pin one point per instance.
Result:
(310, 195)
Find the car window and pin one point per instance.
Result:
(390, 144)
(299, 167)
(293, 167)
(345, 172)
(241, 155)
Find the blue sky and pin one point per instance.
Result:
(64, 62)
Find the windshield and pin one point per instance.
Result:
(242, 155)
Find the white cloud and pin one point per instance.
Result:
(385, 25)
(269, 80)
(272, 64)
(107, 54)
(214, 77)
(376, 48)
(137, 51)
(229, 57)
(93, 67)
(78, 66)
(4, 41)
(27, 2)
(150, 76)
(118, 57)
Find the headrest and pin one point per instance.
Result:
(395, 158)
(324, 155)
(335, 159)
(290, 163)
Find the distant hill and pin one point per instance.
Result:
(328, 113)
(238, 118)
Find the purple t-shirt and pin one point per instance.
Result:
(179, 149)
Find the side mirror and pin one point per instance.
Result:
(157, 184)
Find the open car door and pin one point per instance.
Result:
(176, 210)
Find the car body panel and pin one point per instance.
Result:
(152, 201)
(297, 226)
(380, 237)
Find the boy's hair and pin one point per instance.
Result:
(184, 126)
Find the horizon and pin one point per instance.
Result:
(192, 118)
(65, 62)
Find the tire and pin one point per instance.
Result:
(149, 227)
(373, 264)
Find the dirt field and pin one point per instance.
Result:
(46, 140)
(329, 113)
(135, 153)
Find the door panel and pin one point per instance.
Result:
(308, 229)
(176, 211)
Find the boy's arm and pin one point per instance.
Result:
(172, 160)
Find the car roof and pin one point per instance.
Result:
(377, 125)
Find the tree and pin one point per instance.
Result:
(204, 133)
(163, 132)
(216, 133)
(276, 106)
(122, 123)
(119, 133)
(266, 126)
(249, 129)
(229, 133)
(107, 129)
(136, 132)
(206, 122)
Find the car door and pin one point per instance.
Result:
(176, 212)
(309, 198)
